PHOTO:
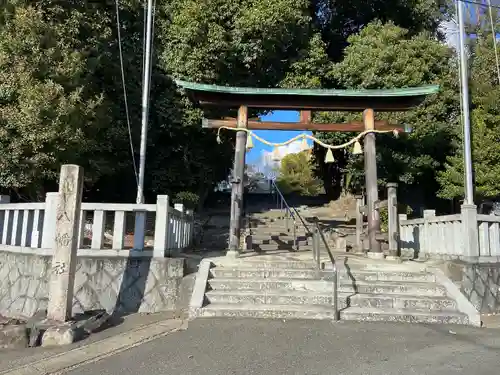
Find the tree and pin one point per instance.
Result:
(388, 56)
(296, 175)
(235, 42)
(337, 20)
(51, 108)
(485, 128)
(231, 42)
(61, 101)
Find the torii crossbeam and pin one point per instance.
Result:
(305, 101)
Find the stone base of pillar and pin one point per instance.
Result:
(375, 255)
(232, 254)
(393, 259)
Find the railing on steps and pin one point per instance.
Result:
(289, 213)
(318, 236)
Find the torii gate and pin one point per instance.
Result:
(305, 100)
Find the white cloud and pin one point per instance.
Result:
(450, 30)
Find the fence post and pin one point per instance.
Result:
(49, 220)
(161, 226)
(62, 277)
(427, 233)
(359, 223)
(180, 226)
(392, 213)
(3, 199)
(470, 230)
(190, 235)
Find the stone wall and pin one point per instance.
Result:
(481, 286)
(120, 282)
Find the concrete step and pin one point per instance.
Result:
(325, 286)
(274, 297)
(398, 301)
(403, 316)
(279, 241)
(277, 297)
(277, 236)
(267, 232)
(267, 312)
(312, 273)
(270, 247)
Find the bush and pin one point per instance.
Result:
(384, 215)
(188, 199)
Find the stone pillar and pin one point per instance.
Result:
(371, 183)
(392, 213)
(62, 277)
(359, 222)
(427, 233)
(237, 184)
(162, 221)
(470, 230)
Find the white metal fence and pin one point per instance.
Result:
(102, 225)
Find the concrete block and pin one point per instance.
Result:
(375, 255)
(13, 336)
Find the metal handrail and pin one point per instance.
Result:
(292, 211)
(317, 235)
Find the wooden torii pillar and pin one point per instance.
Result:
(305, 100)
(237, 183)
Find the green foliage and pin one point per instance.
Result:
(384, 215)
(61, 101)
(339, 19)
(485, 127)
(387, 56)
(51, 108)
(188, 199)
(296, 175)
(238, 42)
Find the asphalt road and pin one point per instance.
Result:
(244, 347)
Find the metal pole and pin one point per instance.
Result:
(468, 183)
(145, 100)
(140, 216)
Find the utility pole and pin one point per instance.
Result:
(140, 217)
(145, 100)
(468, 183)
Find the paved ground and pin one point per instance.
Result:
(244, 347)
(10, 359)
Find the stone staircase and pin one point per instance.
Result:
(295, 290)
(272, 232)
(278, 280)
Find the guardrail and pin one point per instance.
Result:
(318, 237)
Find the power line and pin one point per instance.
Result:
(118, 27)
(494, 35)
(478, 3)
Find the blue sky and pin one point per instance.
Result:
(255, 155)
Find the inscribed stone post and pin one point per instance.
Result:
(62, 277)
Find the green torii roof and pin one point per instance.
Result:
(308, 99)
